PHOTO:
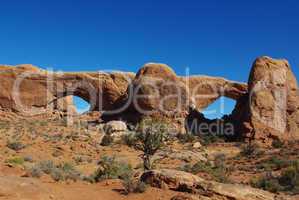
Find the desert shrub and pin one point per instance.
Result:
(15, 145)
(289, 178)
(69, 172)
(133, 186)
(266, 183)
(277, 143)
(66, 167)
(130, 139)
(273, 163)
(107, 140)
(220, 171)
(57, 174)
(34, 172)
(288, 181)
(201, 167)
(217, 172)
(250, 150)
(110, 168)
(15, 161)
(62, 172)
(150, 139)
(186, 138)
(247, 150)
(47, 166)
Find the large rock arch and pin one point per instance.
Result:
(29, 90)
(158, 89)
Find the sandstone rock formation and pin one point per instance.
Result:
(271, 107)
(159, 89)
(183, 181)
(66, 105)
(187, 155)
(29, 90)
(268, 108)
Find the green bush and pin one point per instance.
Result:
(110, 168)
(65, 171)
(289, 178)
(47, 166)
(69, 172)
(15, 161)
(274, 163)
(288, 181)
(133, 186)
(218, 172)
(152, 134)
(270, 184)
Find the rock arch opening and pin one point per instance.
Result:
(220, 108)
(214, 120)
(80, 105)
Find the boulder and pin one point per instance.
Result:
(197, 145)
(115, 126)
(116, 129)
(172, 179)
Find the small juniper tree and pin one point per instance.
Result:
(150, 139)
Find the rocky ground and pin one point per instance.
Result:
(45, 159)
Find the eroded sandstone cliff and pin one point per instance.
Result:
(267, 108)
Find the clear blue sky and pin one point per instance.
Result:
(215, 37)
